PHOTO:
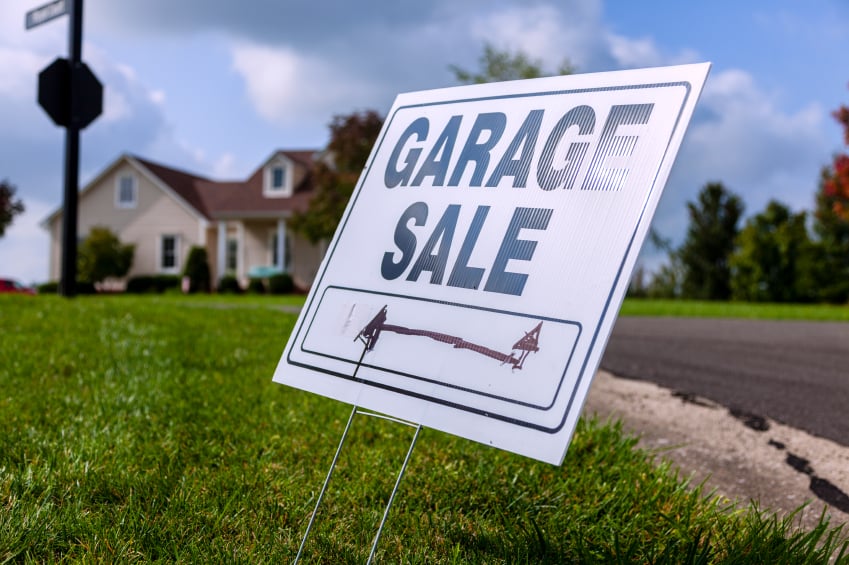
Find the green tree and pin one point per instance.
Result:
(666, 282)
(9, 207)
(709, 243)
(102, 255)
(831, 226)
(773, 259)
(197, 270)
(497, 65)
(831, 222)
(336, 175)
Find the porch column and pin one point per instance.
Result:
(202, 227)
(281, 244)
(221, 263)
(240, 251)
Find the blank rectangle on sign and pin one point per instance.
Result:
(509, 357)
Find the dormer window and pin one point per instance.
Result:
(278, 179)
(126, 191)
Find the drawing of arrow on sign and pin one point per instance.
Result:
(529, 343)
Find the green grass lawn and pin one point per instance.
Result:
(141, 429)
(631, 307)
(751, 310)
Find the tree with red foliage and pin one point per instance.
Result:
(835, 182)
(336, 174)
(831, 220)
(842, 116)
(835, 186)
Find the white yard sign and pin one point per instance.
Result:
(476, 276)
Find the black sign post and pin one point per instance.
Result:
(73, 97)
(68, 282)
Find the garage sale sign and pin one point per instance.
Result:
(476, 275)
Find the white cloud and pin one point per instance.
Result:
(224, 167)
(285, 86)
(20, 115)
(536, 31)
(20, 68)
(739, 137)
(271, 78)
(632, 53)
(578, 32)
(750, 143)
(125, 95)
(158, 97)
(47, 38)
(116, 107)
(546, 32)
(24, 249)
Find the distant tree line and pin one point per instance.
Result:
(773, 257)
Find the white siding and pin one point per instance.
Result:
(155, 214)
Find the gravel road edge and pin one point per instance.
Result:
(742, 457)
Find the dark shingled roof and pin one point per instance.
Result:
(181, 182)
(226, 199)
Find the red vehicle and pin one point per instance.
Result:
(10, 286)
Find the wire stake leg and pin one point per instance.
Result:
(333, 463)
(326, 482)
(392, 496)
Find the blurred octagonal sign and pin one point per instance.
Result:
(54, 94)
(477, 272)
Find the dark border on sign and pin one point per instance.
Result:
(434, 381)
(604, 313)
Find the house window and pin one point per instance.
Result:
(231, 259)
(169, 260)
(126, 191)
(278, 178)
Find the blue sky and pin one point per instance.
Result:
(214, 86)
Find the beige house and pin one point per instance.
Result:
(165, 211)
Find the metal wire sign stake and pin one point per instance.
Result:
(368, 336)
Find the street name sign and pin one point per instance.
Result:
(477, 272)
(44, 14)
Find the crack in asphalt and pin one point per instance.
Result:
(691, 398)
(751, 421)
(822, 488)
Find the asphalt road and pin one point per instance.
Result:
(796, 373)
